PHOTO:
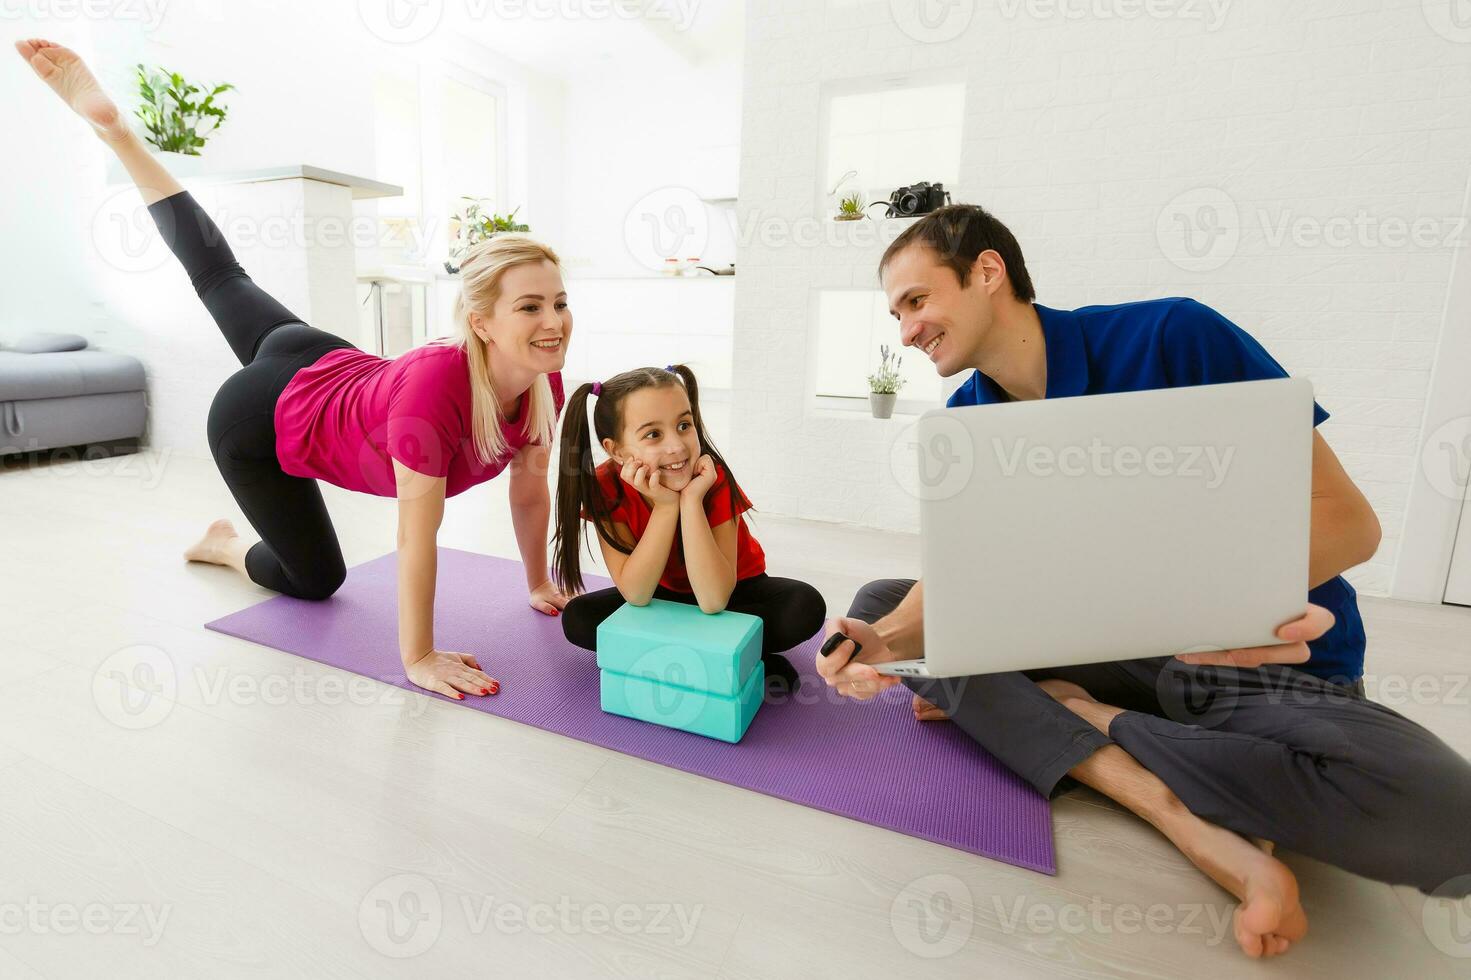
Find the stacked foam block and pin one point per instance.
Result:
(669, 664)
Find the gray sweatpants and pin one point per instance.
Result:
(1274, 752)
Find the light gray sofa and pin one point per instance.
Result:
(55, 393)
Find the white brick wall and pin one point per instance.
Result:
(1088, 135)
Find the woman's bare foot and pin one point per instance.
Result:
(213, 548)
(1270, 917)
(66, 73)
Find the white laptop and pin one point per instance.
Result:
(1111, 527)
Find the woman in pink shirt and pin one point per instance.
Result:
(308, 406)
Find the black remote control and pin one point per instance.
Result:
(835, 639)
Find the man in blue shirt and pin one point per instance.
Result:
(1223, 753)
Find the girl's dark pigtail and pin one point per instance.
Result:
(577, 487)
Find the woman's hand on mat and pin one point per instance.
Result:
(1313, 624)
(645, 479)
(547, 598)
(447, 673)
(702, 481)
(855, 678)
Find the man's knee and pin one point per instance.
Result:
(878, 598)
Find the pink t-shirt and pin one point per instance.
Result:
(346, 418)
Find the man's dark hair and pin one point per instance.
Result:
(957, 233)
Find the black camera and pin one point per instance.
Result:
(920, 198)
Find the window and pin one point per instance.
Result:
(892, 134)
(851, 326)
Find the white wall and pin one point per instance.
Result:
(1091, 136)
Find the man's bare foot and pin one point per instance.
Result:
(211, 547)
(66, 73)
(924, 711)
(1270, 917)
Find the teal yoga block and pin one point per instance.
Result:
(711, 715)
(674, 643)
(669, 664)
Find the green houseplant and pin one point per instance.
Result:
(177, 120)
(884, 384)
(475, 223)
(850, 207)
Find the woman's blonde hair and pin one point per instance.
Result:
(481, 272)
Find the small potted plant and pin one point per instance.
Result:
(884, 384)
(850, 207)
(176, 120)
(477, 223)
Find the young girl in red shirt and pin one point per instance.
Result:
(667, 513)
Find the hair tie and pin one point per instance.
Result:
(669, 368)
(597, 388)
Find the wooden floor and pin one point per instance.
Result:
(174, 803)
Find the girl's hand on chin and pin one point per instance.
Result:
(702, 481)
(645, 479)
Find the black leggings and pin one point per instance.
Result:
(298, 554)
(791, 611)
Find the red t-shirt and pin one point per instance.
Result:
(629, 507)
(345, 418)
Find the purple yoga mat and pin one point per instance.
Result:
(867, 761)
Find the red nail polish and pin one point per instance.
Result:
(460, 697)
(484, 690)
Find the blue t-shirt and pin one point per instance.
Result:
(1173, 343)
